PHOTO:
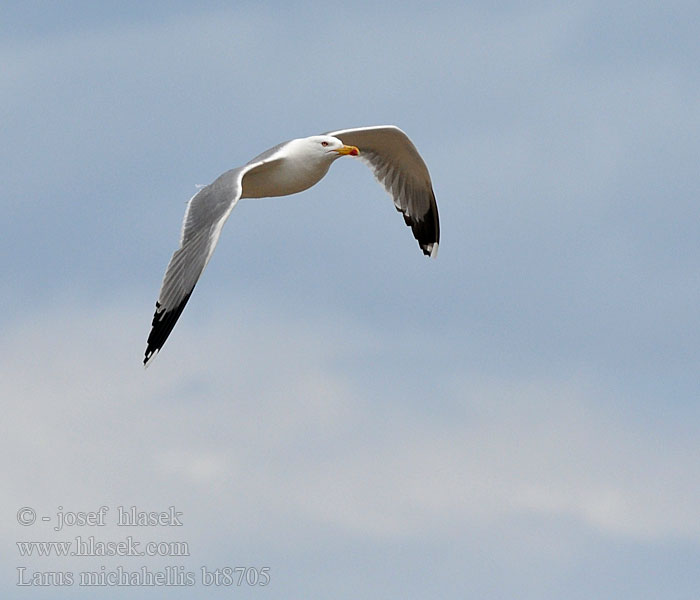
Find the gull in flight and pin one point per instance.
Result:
(289, 168)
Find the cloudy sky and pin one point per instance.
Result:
(516, 419)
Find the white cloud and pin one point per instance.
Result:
(259, 412)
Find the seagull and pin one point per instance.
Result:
(285, 169)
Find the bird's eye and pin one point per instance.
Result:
(324, 144)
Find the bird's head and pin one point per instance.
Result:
(330, 146)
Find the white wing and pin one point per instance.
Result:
(398, 166)
(205, 216)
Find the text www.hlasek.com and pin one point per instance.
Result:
(89, 546)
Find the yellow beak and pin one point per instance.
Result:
(351, 150)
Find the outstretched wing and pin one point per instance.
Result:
(206, 214)
(398, 166)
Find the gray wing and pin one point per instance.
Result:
(206, 214)
(398, 166)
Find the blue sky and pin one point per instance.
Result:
(516, 419)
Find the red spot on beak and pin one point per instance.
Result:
(351, 150)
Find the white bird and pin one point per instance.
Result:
(289, 168)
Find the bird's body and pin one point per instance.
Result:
(288, 169)
(285, 169)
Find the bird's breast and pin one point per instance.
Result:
(281, 177)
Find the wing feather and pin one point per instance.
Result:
(398, 166)
(205, 216)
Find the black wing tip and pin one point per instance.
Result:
(150, 355)
(430, 250)
(161, 327)
(426, 230)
